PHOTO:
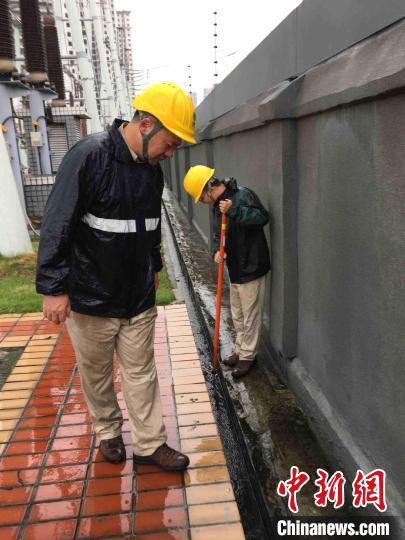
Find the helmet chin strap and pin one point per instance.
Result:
(146, 137)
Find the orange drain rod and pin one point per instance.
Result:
(219, 292)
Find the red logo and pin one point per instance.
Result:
(370, 489)
(292, 486)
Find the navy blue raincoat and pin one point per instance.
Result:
(100, 236)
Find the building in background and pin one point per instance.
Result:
(111, 54)
(124, 43)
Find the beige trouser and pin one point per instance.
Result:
(247, 301)
(94, 341)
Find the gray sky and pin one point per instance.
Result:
(169, 36)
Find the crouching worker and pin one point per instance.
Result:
(98, 263)
(247, 256)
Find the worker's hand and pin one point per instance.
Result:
(56, 308)
(225, 205)
(156, 281)
(218, 258)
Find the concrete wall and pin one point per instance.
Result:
(316, 30)
(326, 154)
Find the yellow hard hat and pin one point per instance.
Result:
(171, 106)
(196, 179)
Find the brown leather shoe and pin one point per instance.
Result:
(166, 458)
(231, 360)
(242, 368)
(113, 449)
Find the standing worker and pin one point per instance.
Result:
(247, 256)
(98, 263)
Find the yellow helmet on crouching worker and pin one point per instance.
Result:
(171, 105)
(196, 179)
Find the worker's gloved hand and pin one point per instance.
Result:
(218, 258)
(225, 205)
(56, 308)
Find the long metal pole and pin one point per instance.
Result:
(219, 292)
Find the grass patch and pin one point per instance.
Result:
(17, 284)
(164, 293)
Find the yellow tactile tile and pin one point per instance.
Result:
(213, 532)
(31, 362)
(186, 372)
(181, 341)
(5, 436)
(210, 493)
(12, 403)
(22, 385)
(184, 350)
(7, 414)
(206, 475)
(13, 395)
(45, 337)
(191, 432)
(192, 398)
(206, 459)
(38, 348)
(189, 388)
(195, 419)
(6, 318)
(204, 444)
(187, 364)
(40, 354)
(9, 343)
(216, 513)
(2, 448)
(8, 424)
(186, 380)
(27, 369)
(19, 377)
(184, 357)
(192, 408)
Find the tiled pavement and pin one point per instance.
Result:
(53, 481)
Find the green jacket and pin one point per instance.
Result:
(246, 246)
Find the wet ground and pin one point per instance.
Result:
(275, 431)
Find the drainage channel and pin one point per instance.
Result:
(257, 522)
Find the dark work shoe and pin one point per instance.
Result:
(113, 449)
(242, 368)
(166, 458)
(232, 360)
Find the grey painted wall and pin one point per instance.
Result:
(326, 154)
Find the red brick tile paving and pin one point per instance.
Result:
(54, 482)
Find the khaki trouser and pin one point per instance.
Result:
(94, 341)
(247, 301)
